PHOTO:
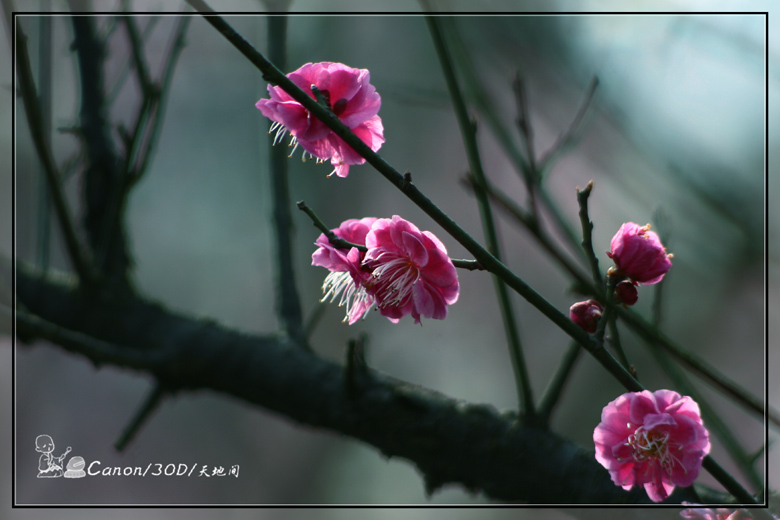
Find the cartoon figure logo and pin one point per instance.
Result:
(49, 466)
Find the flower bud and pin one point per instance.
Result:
(586, 314)
(625, 292)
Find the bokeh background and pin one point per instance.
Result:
(675, 136)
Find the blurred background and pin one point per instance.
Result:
(675, 137)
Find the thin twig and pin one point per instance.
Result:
(139, 56)
(122, 76)
(332, 237)
(150, 404)
(566, 138)
(554, 389)
(524, 120)
(587, 233)
(532, 181)
(163, 88)
(42, 146)
(468, 131)
(617, 345)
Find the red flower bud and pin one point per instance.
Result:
(586, 314)
(625, 292)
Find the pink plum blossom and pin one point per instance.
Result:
(346, 270)
(639, 254)
(652, 439)
(348, 94)
(410, 271)
(586, 314)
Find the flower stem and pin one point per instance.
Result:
(468, 131)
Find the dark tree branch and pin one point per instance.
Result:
(449, 441)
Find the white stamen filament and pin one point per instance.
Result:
(397, 278)
(281, 131)
(341, 282)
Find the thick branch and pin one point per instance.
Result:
(448, 441)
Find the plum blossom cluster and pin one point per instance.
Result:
(656, 440)
(640, 258)
(404, 271)
(347, 94)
